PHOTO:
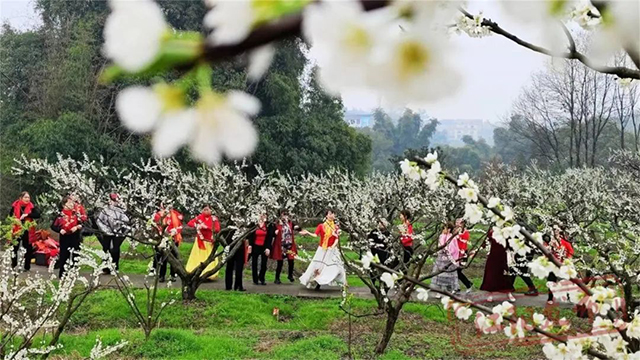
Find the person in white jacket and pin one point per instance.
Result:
(113, 222)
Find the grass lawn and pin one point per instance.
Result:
(231, 325)
(222, 325)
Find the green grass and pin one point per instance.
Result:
(223, 325)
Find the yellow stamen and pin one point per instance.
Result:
(172, 97)
(413, 58)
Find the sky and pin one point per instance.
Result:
(493, 68)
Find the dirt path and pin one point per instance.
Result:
(295, 289)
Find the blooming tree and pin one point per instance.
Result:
(236, 199)
(33, 303)
(614, 330)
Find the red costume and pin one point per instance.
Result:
(407, 238)
(80, 211)
(20, 208)
(208, 224)
(169, 222)
(67, 221)
(564, 251)
(463, 241)
(328, 234)
(277, 253)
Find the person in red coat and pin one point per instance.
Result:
(561, 250)
(406, 235)
(67, 224)
(23, 211)
(284, 245)
(168, 221)
(463, 245)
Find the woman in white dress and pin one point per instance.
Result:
(327, 267)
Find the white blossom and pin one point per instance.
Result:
(493, 202)
(422, 294)
(389, 279)
(259, 61)
(133, 33)
(463, 312)
(231, 21)
(472, 213)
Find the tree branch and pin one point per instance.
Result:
(573, 54)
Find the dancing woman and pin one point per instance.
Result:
(326, 268)
(284, 244)
(205, 224)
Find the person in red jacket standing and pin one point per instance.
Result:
(260, 244)
(205, 224)
(463, 245)
(168, 221)
(406, 235)
(24, 211)
(284, 244)
(68, 225)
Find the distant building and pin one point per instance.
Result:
(358, 119)
(451, 131)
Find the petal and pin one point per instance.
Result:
(138, 108)
(259, 61)
(175, 129)
(243, 102)
(205, 146)
(237, 137)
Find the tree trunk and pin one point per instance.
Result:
(189, 287)
(392, 317)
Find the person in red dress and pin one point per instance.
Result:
(406, 235)
(260, 243)
(496, 272)
(463, 245)
(168, 221)
(23, 211)
(284, 245)
(67, 224)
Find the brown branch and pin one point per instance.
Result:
(287, 26)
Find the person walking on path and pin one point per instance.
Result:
(113, 222)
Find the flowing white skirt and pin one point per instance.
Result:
(326, 268)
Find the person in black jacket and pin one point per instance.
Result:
(260, 244)
(379, 240)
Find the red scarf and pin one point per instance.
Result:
(17, 213)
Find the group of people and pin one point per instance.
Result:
(273, 239)
(270, 240)
(502, 266)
